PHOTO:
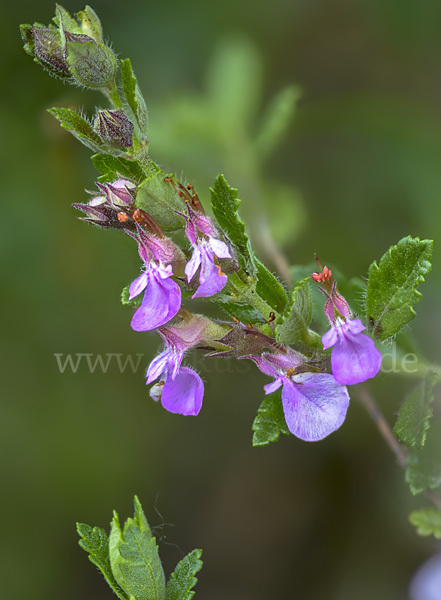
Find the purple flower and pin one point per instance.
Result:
(206, 249)
(180, 388)
(162, 295)
(354, 355)
(211, 277)
(314, 404)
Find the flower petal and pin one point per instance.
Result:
(219, 248)
(162, 300)
(211, 278)
(261, 363)
(314, 404)
(355, 359)
(193, 264)
(139, 285)
(157, 366)
(183, 395)
(330, 338)
(273, 386)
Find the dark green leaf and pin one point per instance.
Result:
(116, 167)
(270, 421)
(95, 542)
(242, 311)
(78, 127)
(414, 416)
(225, 204)
(391, 290)
(134, 558)
(294, 327)
(133, 95)
(268, 286)
(427, 521)
(424, 465)
(183, 579)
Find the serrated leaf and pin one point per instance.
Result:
(427, 521)
(268, 286)
(225, 204)
(78, 127)
(95, 541)
(181, 582)
(295, 326)
(134, 557)
(270, 420)
(414, 416)
(116, 167)
(133, 95)
(424, 466)
(391, 289)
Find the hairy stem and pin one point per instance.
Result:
(384, 428)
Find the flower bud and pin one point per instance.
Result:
(93, 65)
(114, 127)
(45, 46)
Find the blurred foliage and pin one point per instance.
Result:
(360, 169)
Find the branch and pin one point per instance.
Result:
(384, 428)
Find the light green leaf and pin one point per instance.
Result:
(95, 542)
(424, 465)
(391, 290)
(134, 557)
(159, 199)
(294, 327)
(183, 579)
(414, 416)
(133, 94)
(116, 167)
(427, 521)
(137, 301)
(277, 119)
(78, 127)
(268, 286)
(270, 421)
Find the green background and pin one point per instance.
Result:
(360, 168)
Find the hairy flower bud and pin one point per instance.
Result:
(93, 65)
(45, 46)
(114, 127)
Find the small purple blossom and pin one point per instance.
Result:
(354, 356)
(180, 388)
(162, 295)
(211, 277)
(314, 404)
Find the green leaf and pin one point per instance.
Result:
(159, 199)
(391, 290)
(414, 416)
(270, 421)
(225, 204)
(277, 119)
(95, 542)
(78, 127)
(268, 286)
(424, 465)
(427, 521)
(134, 557)
(242, 311)
(133, 94)
(116, 167)
(294, 327)
(181, 582)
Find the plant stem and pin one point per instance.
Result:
(384, 428)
